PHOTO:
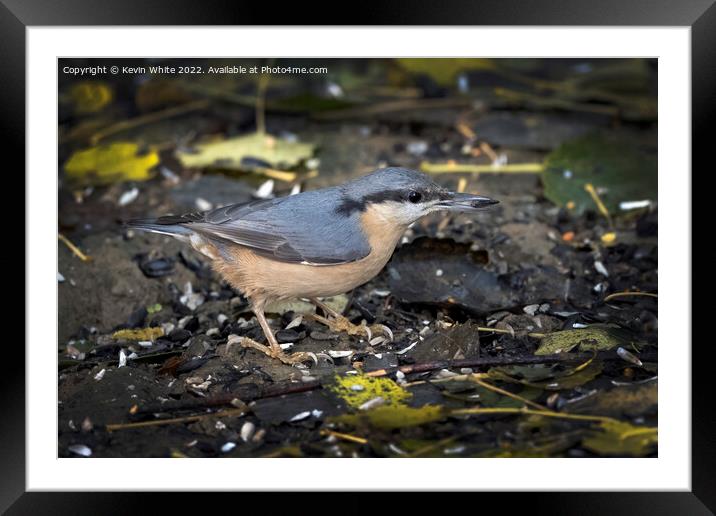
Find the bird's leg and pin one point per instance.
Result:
(338, 322)
(273, 349)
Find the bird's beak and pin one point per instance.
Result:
(465, 202)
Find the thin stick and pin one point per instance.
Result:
(251, 392)
(431, 447)
(500, 361)
(345, 437)
(245, 393)
(629, 294)
(392, 106)
(150, 118)
(75, 250)
(452, 168)
(279, 175)
(508, 394)
(546, 413)
(185, 419)
(589, 187)
(508, 332)
(261, 104)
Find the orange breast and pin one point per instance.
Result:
(260, 277)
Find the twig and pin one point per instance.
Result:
(393, 106)
(261, 104)
(150, 118)
(252, 392)
(75, 250)
(433, 446)
(508, 332)
(511, 168)
(280, 175)
(345, 437)
(540, 102)
(245, 393)
(628, 294)
(546, 413)
(500, 361)
(589, 187)
(185, 419)
(508, 394)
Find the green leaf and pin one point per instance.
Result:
(619, 171)
(558, 379)
(228, 153)
(596, 337)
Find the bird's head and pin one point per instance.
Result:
(402, 196)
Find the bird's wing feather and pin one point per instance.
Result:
(303, 228)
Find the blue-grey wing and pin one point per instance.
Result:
(303, 228)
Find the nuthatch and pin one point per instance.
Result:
(314, 244)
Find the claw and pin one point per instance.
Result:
(294, 358)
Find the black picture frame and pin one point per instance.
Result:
(700, 15)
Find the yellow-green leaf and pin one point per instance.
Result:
(120, 161)
(595, 337)
(228, 153)
(140, 334)
(444, 71)
(90, 97)
(356, 390)
(619, 438)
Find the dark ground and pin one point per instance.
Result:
(525, 267)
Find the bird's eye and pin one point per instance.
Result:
(414, 197)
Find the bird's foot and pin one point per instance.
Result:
(340, 323)
(277, 353)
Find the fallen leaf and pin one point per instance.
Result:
(444, 71)
(628, 400)
(619, 438)
(357, 390)
(140, 334)
(618, 170)
(111, 163)
(596, 337)
(229, 153)
(90, 97)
